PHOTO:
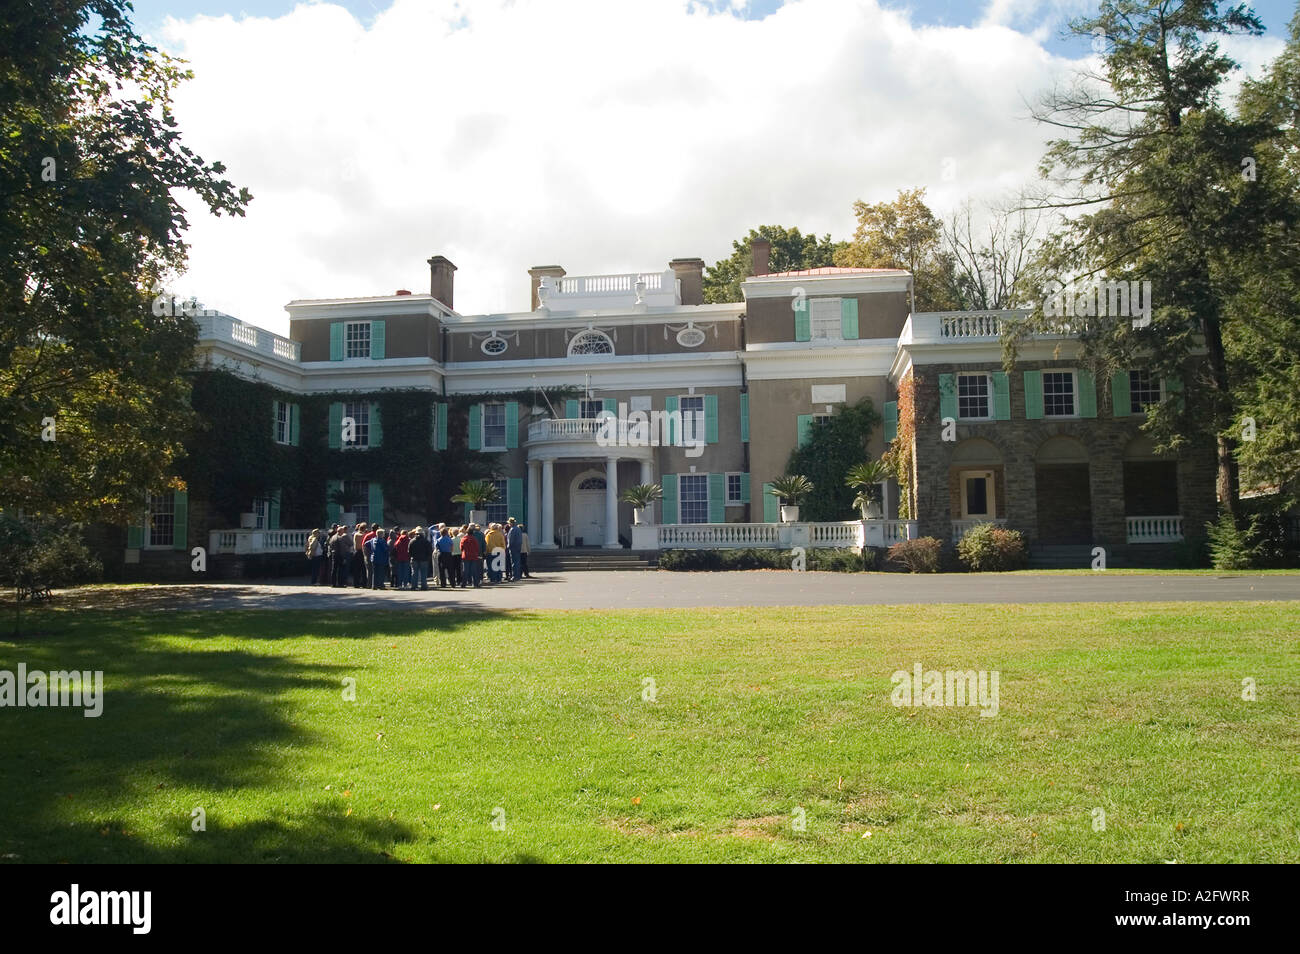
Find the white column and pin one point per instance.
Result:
(548, 506)
(647, 477)
(534, 497)
(611, 503)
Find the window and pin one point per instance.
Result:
(733, 490)
(494, 345)
(281, 422)
(494, 427)
(693, 498)
(973, 397)
(1143, 390)
(825, 319)
(821, 418)
(359, 411)
(499, 510)
(977, 494)
(591, 342)
(587, 410)
(1058, 394)
(692, 408)
(261, 507)
(360, 492)
(162, 519)
(357, 339)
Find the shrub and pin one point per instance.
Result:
(919, 556)
(1232, 547)
(836, 561)
(986, 546)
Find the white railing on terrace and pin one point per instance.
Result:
(227, 328)
(956, 326)
(608, 291)
(718, 536)
(607, 284)
(959, 527)
(847, 534)
(1165, 529)
(257, 541)
(560, 429)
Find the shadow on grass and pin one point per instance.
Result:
(197, 716)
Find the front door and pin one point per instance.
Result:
(587, 511)
(977, 495)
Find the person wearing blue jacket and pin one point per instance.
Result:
(378, 547)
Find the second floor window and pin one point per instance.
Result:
(1058, 394)
(692, 408)
(973, 397)
(281, 422)
(360, 414)
(494, 427)
(1143, 390)
(357, 340)
(588, 410)
(824, 323)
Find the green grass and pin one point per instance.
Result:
(1132, 708)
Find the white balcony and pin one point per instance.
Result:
(570, 429)
(847, 534)
(257, 541)
(225, 328)
(593, 292)
(1165, 529)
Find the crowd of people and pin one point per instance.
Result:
(374, 557)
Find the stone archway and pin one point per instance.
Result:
(1063, 489)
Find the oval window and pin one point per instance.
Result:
(494, 345)
(690, 337)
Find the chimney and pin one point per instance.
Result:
(536, 273)
(761, 249)
(403, 291)
(441, 279)
(690, 273)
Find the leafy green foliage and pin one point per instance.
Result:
(791, 489)
(791, 251)
(833, 447)
(905, 234)
(641, 495)
(922, 555)
(835, 561)
(986, 546)
(1231, 546)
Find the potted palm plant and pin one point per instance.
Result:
(347, 501)
(866, 478)
(640, 497)
(477, 493)
(790, 490)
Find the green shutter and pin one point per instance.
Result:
(515, 498)
(376, 426)
(1001, 396)
(717, 498)
(802, 320)
(376, 502)
(710, 418)
(770, 505)
(275, 421)
(849, 318)
(891, 421)
(571, 410)
(1033, 395)
(804, 423)
(1087, 393)
(135, 537)
(336, 425)
(512, 424)
(744, 417)
(295, 424)
(377, 340)
(1121, 398)
(336, 341)
(744, 488)
(609, 404)
(948, 396)
(670, 406)
(440, 422)
(332, 510)
(273, 512)
(180, 519)
(669, 499)
(475, 426)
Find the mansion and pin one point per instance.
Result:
(1047, 450)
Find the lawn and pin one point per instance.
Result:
(770, 737)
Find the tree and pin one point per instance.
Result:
(905, 234)
(990, 262)
(1149, 170)
(833, 447)
(93, 401)
(791, 251)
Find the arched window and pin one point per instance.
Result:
(591, 342)
(592, 483)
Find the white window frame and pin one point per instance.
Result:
(362, 510)
(583, 403)
(690, 422)
(835, 326)
(499, 511)
(988, 384)
(148, 543)
(285, 422)
(1074, 393)
(681, 496)
(1160, 387)
(347, 338)
(990, 490)
(590, 332)
(484, 444)
(361, 428)
(740, 484)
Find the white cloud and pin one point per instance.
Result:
(601, 136)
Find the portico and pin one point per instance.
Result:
(566, 452)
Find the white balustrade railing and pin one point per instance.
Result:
(219, 327)
(1163, 529)
(959, 527)
(257, 541)
(713, 536)
(574, 429)
(847, 534)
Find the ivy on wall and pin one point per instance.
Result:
(833, 446)
(232, 456)
(900, 453)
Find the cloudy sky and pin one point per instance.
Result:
(601, 135)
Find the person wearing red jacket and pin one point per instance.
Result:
(472, 558)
